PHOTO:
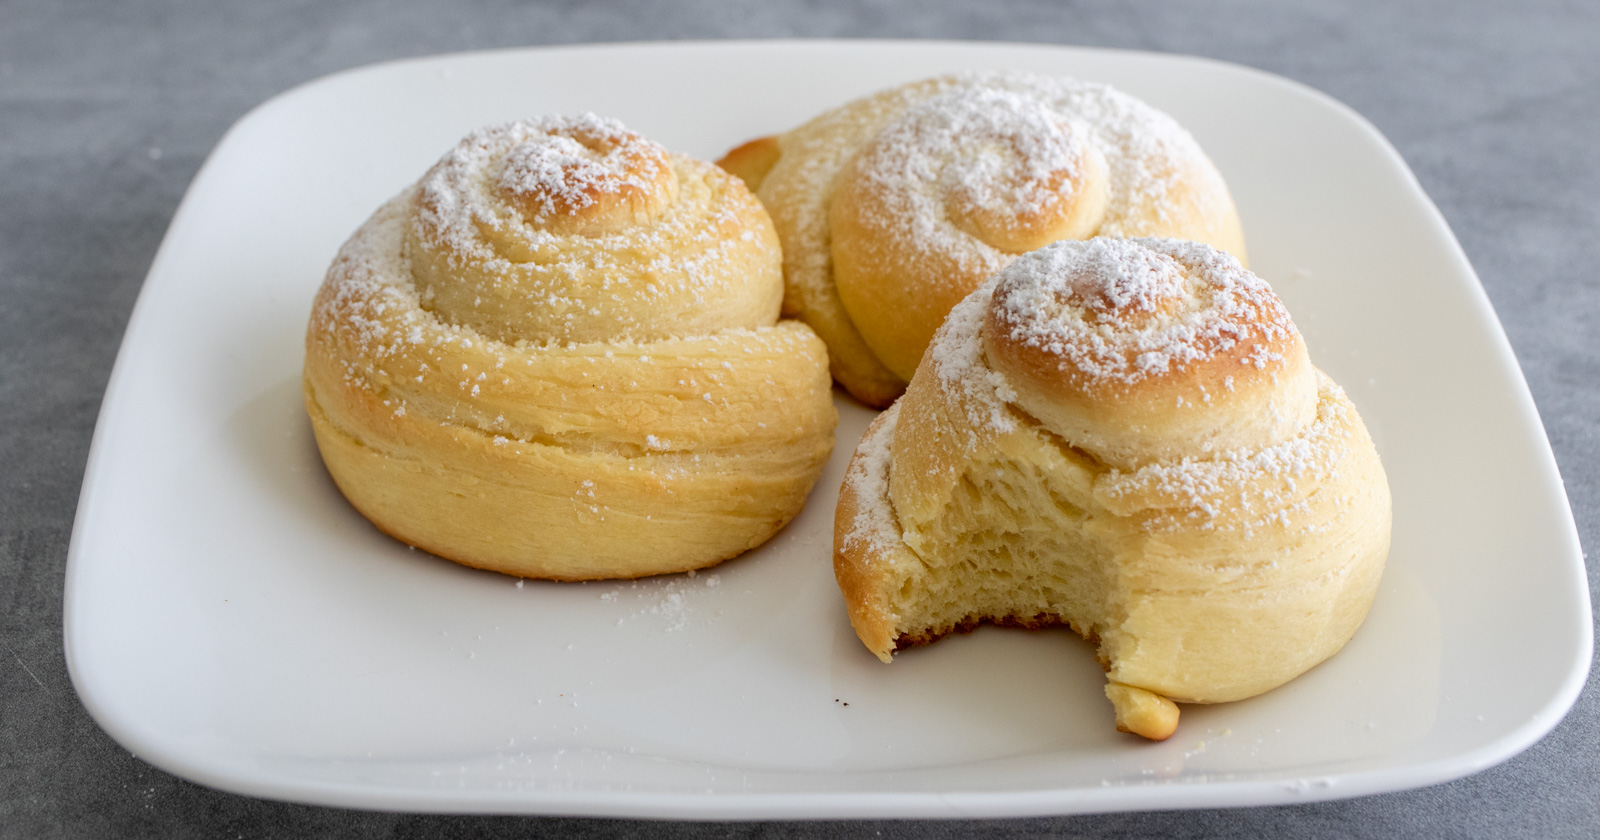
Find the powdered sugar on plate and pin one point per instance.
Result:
(674, 603)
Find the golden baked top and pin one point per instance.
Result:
(1149, 349)
(577, 229)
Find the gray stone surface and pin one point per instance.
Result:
(107, 110)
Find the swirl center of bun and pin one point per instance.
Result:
(575, 229)
(1017, 176)
(1149, 349)
(586, 176)
(1109, 282)
(945, 195)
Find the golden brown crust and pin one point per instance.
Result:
(1038, 621)
(752, 161)
(521, 374)
(1149, 349)
(906, 250)
(857, 564)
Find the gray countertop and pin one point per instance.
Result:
(107, 111)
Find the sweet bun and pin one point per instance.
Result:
(558, 355)
(893, 207)
(1125, 436)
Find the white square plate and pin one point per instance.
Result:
(230, 619)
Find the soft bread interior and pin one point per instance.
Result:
(1012, 546)
(1034, 533)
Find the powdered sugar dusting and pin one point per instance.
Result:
(1043, 148)
(1108, 276)
(1145, 150)
(1265, 486)
(1002, 153)
(958, 361)
(1154, 179)
(574, 228)
(369, 321)
(1119, 311)
(672, 603)
(555, 171)
(868, 478)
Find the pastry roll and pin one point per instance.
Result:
(558, 355)
(893, 207)
(1127, 437)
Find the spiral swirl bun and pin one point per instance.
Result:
(892, 208)
(558, 356)
(1125, 436)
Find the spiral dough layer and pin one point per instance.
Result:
(558, 356)
(1126, 437)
